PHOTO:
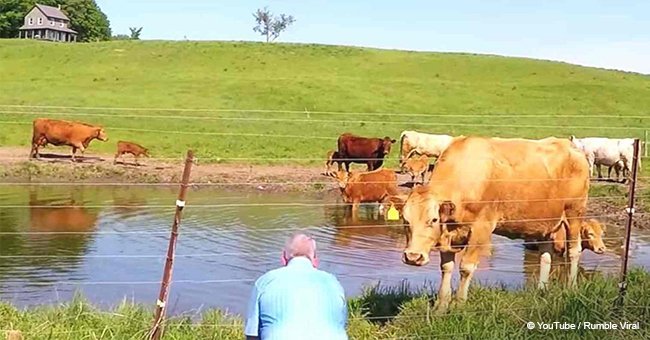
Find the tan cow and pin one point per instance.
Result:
(61, 132)
(485, 185)
(366, 187)
(417, 167)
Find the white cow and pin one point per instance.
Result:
(617, 153)
(422, 143)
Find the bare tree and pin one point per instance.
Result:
(135, 33)
(271, 26)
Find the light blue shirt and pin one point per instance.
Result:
(297, 301)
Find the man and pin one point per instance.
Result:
(297, 301)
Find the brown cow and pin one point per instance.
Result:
(356, 149)
(61, 132)
(507, 186)
(366, 187)
(136, 150)
(591, 234)
(417, 167)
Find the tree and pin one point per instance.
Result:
(135, 33)
(270, 26)
(85, 17)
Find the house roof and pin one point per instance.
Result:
(52, 12)
(47, 27)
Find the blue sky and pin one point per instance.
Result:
(611, 34)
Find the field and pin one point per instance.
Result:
(240, 100)
(279, 108)
(490, 313)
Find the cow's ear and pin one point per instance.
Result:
(446, 211)
(393, 141)
(572, 137)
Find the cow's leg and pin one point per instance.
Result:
(444, 292)
(74, 151)
(423, 173)
(600, 175)
(573, 245)
(115, 159)
(355, 208)
(477, 243)
(347, 166)
(136, 160)
(545, 251)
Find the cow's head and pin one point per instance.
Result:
(101, 135)
(592, 236)
(340, 176)
(423, 215)
(146, 152)
(386, 144)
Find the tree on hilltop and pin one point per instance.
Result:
(271, 26)
(135, 33)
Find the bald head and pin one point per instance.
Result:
(300, 245)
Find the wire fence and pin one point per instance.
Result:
(100, 113)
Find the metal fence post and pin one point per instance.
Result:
(161, 304)
(622, 284)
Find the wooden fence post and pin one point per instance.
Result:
(645, 143)
(161, 304)
(622, 284)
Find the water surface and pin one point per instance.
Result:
(111, 242)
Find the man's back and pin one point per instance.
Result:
(297, 302)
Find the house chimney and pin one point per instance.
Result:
(59, 6)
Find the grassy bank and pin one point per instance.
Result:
(490, 313)
(321, 92)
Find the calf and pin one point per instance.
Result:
(422, 143)
(591, 233)
(418, 167)
(61, 132)
(332, 157)
(129, 147)
(366, 187)
(356, 149)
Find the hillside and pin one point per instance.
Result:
(326, 89)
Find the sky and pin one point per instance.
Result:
(611, 34)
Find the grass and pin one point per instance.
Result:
(490, 313)
(370, 89)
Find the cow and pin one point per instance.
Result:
(366, 187)
(591, 234)
(417, 167)
(61, 132)
(332, 157)
(607, 151)
(421, 143)
(136, 150)
(356, 149)
(485, 185)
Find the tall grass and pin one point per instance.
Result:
(380, 313)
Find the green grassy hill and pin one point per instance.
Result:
(367, 91)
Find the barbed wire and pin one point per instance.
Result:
(306, 111)
(294, 120)
(320, 250)
(242, 134)
(229, 231)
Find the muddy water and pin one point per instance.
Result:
(110, 243)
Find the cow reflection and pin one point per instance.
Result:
(59, 217)
(365, 229)
(128, 203)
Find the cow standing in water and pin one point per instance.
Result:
(494, 185)
(356, 149)
(61, 132)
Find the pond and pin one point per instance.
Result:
(110, 242)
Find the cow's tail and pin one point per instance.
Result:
(401, 146)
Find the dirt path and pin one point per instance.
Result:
(55, 166)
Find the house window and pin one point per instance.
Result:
(51, 23)
(31, 21)
(40, 21)
(62, 24)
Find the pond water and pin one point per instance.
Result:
(110, 243)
